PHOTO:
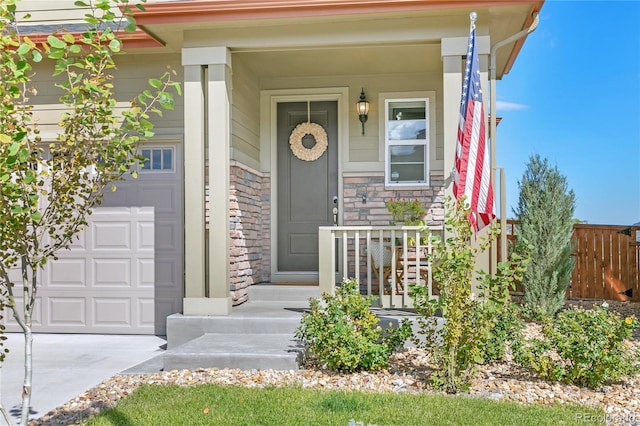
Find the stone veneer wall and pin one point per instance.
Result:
(374, 212)
(249, 218)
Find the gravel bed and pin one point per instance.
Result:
(408, 373)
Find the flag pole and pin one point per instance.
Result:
(493, 125)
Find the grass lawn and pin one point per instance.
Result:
(229, 405)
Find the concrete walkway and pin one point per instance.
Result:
(66, 365)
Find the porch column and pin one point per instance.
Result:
(453, 50)
(194, 219)
(214, 299)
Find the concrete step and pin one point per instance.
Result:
(246, 351)
(181, 328)
(275, 292)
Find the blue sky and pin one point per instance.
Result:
(573, 96)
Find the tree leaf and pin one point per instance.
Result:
(14, 148)
(131, 24)
(23, 49)
(56, 54)
(114, 45)
(56, 43)
(155, 83)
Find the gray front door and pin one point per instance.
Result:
(306, 189)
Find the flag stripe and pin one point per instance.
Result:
(472, 174)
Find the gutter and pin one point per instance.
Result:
(492, 133)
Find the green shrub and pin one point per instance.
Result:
(506, 326)
(475, 328)
(583, 347)
(343, 333)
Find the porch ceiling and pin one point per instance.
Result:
(357, 60)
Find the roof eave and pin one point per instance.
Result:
(518, 46)
(228, 10)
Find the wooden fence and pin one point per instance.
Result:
(607, 262)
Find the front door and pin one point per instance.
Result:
(306, 189)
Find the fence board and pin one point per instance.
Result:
(606, 261)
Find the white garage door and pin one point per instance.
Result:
(159, 184)
(104, 283)
(73, 303)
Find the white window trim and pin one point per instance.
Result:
(158, 147)
(430, 143)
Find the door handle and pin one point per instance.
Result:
(335, 210)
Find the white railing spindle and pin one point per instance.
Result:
(409, 262)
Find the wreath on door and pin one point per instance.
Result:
(302, 152)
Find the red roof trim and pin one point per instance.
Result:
(227, 10)
(527, 23)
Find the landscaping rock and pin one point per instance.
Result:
(408, 373)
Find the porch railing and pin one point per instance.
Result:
(385, 260)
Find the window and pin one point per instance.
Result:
(406, 142)
(157, 160)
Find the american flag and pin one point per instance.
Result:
(472, 169)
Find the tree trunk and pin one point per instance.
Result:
(26, 387)
(29, 296)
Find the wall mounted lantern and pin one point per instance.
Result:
(362, 106)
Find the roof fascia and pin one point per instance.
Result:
(229, 10)
(516, 49)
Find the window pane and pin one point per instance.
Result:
(407, 130)
(167, 159)
(146, 153)
(406, 120)
(156, 159)
(407, 153)
(407, 173)
(407, 163)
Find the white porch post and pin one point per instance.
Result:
(194, 226)
(211, 297)
(453, 49)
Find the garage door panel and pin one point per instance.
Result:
(108, 236)
(112, 273)
(146, 237)
(121, 197)
(159, 195)
(167, 236)
(146, 273)
(79, 243)
(111, 311)
(63, 273)
(165, 270)
(145, 313)
(66, 311)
